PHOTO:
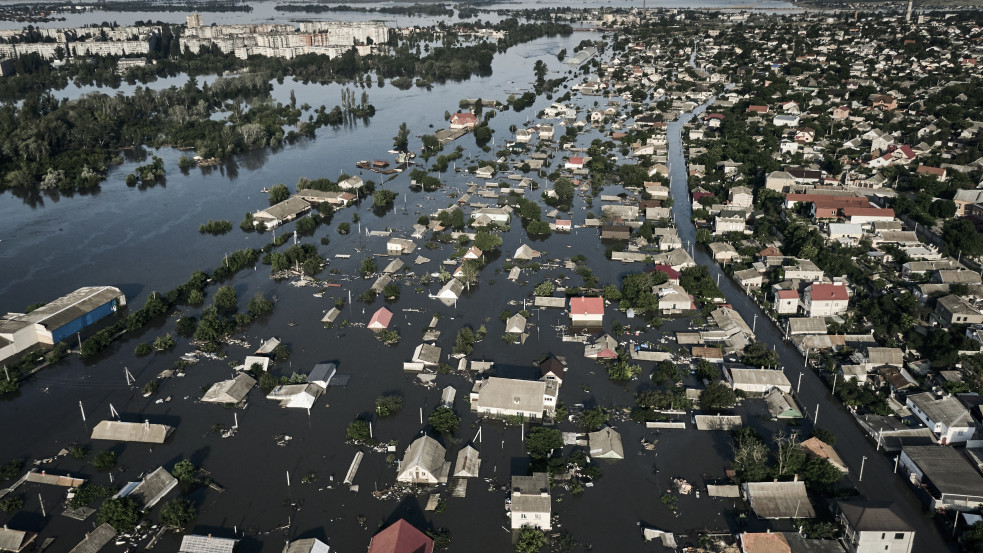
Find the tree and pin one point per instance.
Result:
(486, 241)
(717, 396)
(177, 513)
(391, 291)
(531, 540)
(122, 513)
(750, 455)
(465, 341)
(260, 305)
(278, 194)
(344, 228)
(824, 435)
(401, 140)
(104, 460)
(704, 236)
(962, 238)
(226, 299)
(185, 471)
(358, 431)
(541, 441)
(545, 288)
(388, 405)
(594, 419)
(973, 538)
(444, 420)
(383, 199)
(267, 382)
(790, 455)
(368, 266)
(820, 474)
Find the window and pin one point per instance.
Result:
(899, 536)
(883, 536)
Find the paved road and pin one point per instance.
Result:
(879, 483)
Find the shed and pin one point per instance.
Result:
(322, 373)
(468, 463)
(447, 396)
(331, 315)
(781, 405)
(230, 391)
(394, 265)
(806, 325)
(779, 499)
(426, 354)
(131, 432)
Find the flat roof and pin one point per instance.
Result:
(948, 470)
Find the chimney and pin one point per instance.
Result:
(795, 478)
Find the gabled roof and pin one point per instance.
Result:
(131, 432)
(196, 543)
(764, 542)
(96, 540)
(864, 516)
(424, 452)
(947, 410)
(553, 366)
(400, 537)
(381, 318)
(309, 545)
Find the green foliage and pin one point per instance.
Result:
(697, 281)
(441, 537)
(621, 370)
(444, 420)
(11, 503)
(388, 405)
(717, 396)
(383, 199)
(391, 292)
(750, 455)
(636, 291)
(78, 451)
(538, 228)
(267, 382)
(278, 194)
(486, 241)
(973, 538)
(962, 238)
(104, 460)
(704, 236)
(541, 440)
(465, 341)
(344, 228)
(88, 493)
(824, 435)
(177, 513)
(706, 370)
(143, 348)
(185, 471)
(545, 288)
(670, 501)
(820, 474)
(358, 431)
(164, 343)
(816, 529)
(758, 354)
(259, 305)
(186, 326)
(225, 299)
(389, 337)
(368, 266)
(592, 420)
(122, 513)
(531, 540)
(215, 227)
(667, 373)
(151, 387)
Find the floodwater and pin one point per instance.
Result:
(145, 240)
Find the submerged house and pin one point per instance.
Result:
(230, 391)
(503, 397)
(606, 444)
(132, 432)
(300, 396)
(468, 463)
(424, 463)
(400, 537)
(530, 503)
(149, 491)
(281, 213)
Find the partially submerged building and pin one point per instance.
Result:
(149, 491)
(132, 432)
(605, 444)
(424, 463)
(300, 396)
(57, 320)
(400, 537)
(530, 502)
(779, 499)
(230, 391)
(505, 397)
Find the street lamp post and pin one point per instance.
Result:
(862, 461)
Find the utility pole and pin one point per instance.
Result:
(862, 461)
(834, 382)
(83, 411)
(815, 418)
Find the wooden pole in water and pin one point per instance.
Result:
(44, 514)
(288, 478)
(83, 411)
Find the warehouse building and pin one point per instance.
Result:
(60, 319)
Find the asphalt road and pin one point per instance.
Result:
(879, 481)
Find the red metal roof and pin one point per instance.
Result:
(829, 292)
(587, 306)
(867, 211)
(576, 160)
(673, 273)
(401, 537)
(381, 318)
